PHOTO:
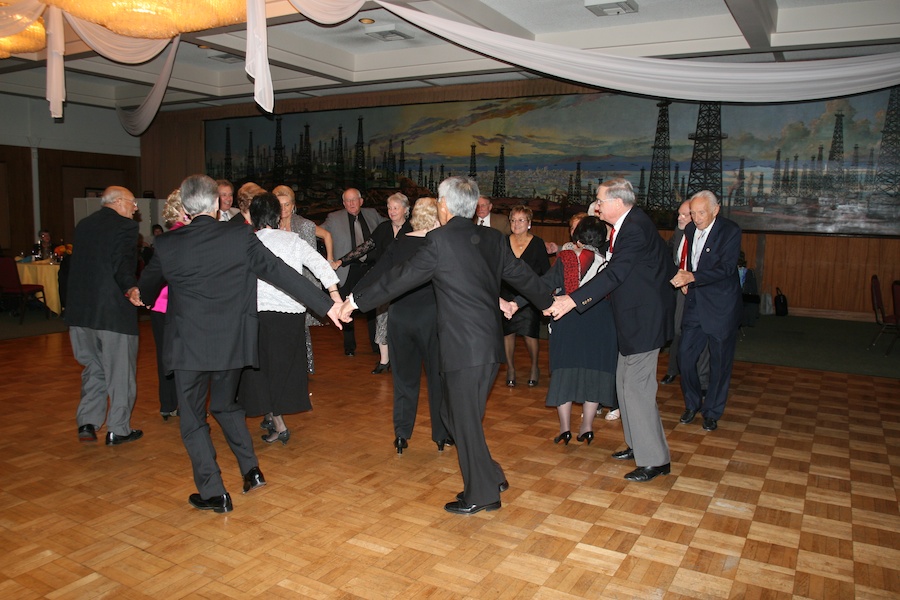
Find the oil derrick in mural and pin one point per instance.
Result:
(575, 196)
(776, 175)
(359, 162)
(659, 196)
(390, 164)
(833, 183)
(500, 177)
(676, 195)
(421, 181)
(401, 164)
(473, 172)
(305, 167)
(738, 197)
(278, 155)
(818, 173)
(251, 165)
(887, 176)
(760, 197)
(229, 173)
(641, 195)
(339, 174)
(853, 181)
(706, 160)
(793, 185)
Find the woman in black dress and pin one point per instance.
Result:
(527, 321)
(583, 347)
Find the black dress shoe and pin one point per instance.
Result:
(381, 368)
(253, 479)
(114, 440)
(400, 443)
(648, 473)
(710, 424)
(687, 416)
(87, 433)
(668, 379)
(444, 442)
(349, 353)
(626, 454)
(458, 507)
(219, 504)
(504, 485)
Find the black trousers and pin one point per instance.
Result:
(721, 359)
(168, 399)
(466, 392)
(192, 388)
(355, 273)
(411, 344)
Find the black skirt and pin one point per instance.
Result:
(280, 385)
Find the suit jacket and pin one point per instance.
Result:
(338, 225)
(498, 222)
(674, 243)
(212, 269)
(465, 264)
(637, 282)
(232, 213)
(714, 298)
(103, 267)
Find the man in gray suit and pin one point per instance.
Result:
(465, 264)
(349, 228)
(211, 329)
(485, 218)
(102, 323)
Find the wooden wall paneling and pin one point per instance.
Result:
(65, 174)
(17, 228)
(172, 148)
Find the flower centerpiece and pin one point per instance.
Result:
(62, 251)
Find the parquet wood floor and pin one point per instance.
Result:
(795, 495)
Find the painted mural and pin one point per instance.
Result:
(819, 167)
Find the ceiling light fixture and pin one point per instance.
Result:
(366, 21)
(156, 19)
(31, 39)
(386, 32)
(608, 9)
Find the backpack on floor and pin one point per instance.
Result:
(781, 305)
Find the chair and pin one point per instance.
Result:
(11, 285)
(895, 292)
(885, 322)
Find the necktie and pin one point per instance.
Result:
(698, 249)
(683, 262)
(357, 231)
(612, 233)
(481, 222)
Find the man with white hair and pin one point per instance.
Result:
(102, 323)
(713, 306)
(211, 329)
(465, 264)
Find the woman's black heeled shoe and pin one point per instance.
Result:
(400, 444)
(444, 442)
(381, 368)
(510, 380)
(267, 424)
(282, 437)
(565, 436)
(534, 381)
(587, 436)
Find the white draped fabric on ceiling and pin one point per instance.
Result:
(659, 78)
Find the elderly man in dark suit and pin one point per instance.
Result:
(712, 307)
(637, 282)
(678, 246)
(465, 264)
(102, 323)
(211, 329)
(349, 228)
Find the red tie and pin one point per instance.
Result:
(683, 261)
(612, 232)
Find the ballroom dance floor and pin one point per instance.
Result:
(794, 496)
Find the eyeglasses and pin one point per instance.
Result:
(132, 200)
(518, 220)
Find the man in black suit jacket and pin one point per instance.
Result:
(465, 264)
(211, 328)
(102, 323)
(678, 246)
(712, 308)
(637, 282)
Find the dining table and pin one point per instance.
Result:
(45, 273)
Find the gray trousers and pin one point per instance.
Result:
(636, 385)
(109, 360)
